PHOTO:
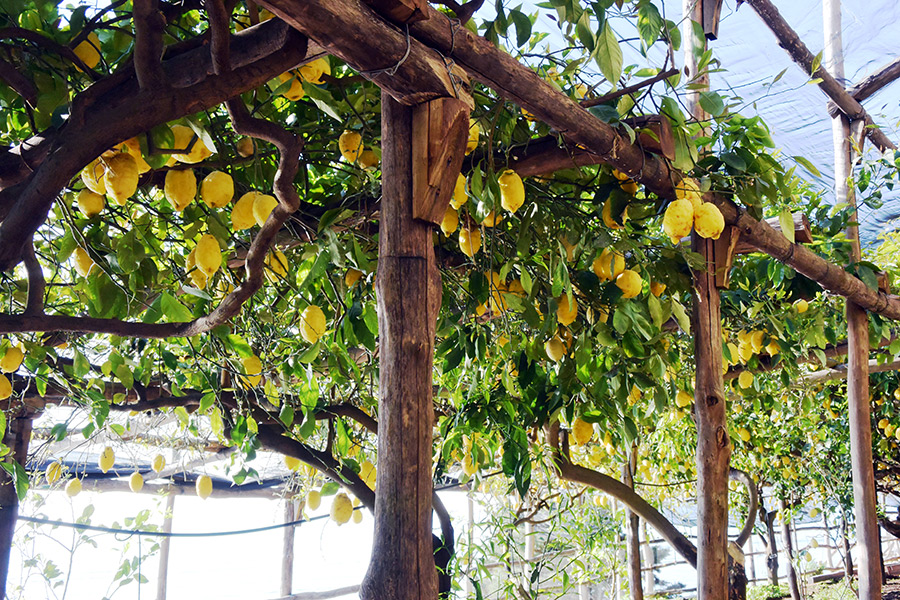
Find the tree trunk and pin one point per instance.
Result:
(633, 541)
(768, 519)
(18, 434)
(408, 287)
(793, 583)
(845, 542)
(162, 574)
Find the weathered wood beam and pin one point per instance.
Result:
(791, 42)
(802, 232)
(840, 371)
(16, 437)
(871, 84)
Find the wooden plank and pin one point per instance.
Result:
(724, 249)
(870, 85)
(711, 10)
(400, 11)
(440, 130)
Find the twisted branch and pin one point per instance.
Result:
(149, 26)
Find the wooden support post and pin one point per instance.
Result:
(287, 548)
(409, 294)
(18, 434)
(162, 574)
(793, 583)
(632, 532)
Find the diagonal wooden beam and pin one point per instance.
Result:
(798, 51)
(871, 84)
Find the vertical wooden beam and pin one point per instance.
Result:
(287, 548)
(713, 444)
(632, 532)
(862, 467)
(793, 583)
(162, 574)
(18, 434)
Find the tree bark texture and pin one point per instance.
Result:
(18, 434)
(793, 583)
(632, 535)
(408, 288)
(845, 545)
(768, 519)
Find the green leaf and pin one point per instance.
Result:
(786, 220)
(584, 32)
(19, 476)
(681, 316)
(712, 103)
(125, 376)
(523, 26)
(286, 415)
(207, 401)
(175, 311)
(649, 23)
(806, 164)
(608, 54)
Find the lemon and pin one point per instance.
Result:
(474, 133)
(801, 306)
(83, 262)
(629, 187)
(263, 204)
(708, 221)
(582, 432)
(469, 466)
(608, 265)
(204, 486)
(198, 277)
(314, 70)
(580, 90)
(813, 543)
(245, 147)
(92, 176)
(566, 309)
(368, 473)
(630, 283)
(276, 266)
(121, 177)
(90, 203)
(678, 220)
(252, 370)
(136, 482)
(12, 359)
(608, 219)
(73, 488)
(450, 222)
(756, 340)
(773, 348)
(180, 188)
(735, 353)
(459, 192)
(133, 147)
(512, 191)
(744, 434)
(570, 248)
(291, 462)
(470, 241)
(657, 288)
(107, 459)
(745, 379)
(620, 176)
(208, 255)
(242, 212)
(183, 137)
(217, 189)
(689, 189)
(357, 516)
(745, 351)
(350, 145)
(352, 277)
(683, 399)
(312, 323)
(158, 464)
(314, 499)
(491, 218)
(53, 472)
(555, 348)
(341, 508)
(88, 50)
(368, 159)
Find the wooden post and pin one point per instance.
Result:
(793, 584)
(162, 575)
(18, 434)
(632, 533)
(649, 578)
(409, 293)
(287, 548)
(845, 545)
(862, 467)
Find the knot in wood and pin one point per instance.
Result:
(721, 437)
(712, 400)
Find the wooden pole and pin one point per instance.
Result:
(18, 434)
(862, 467)
(632, 532)
(793, 584)
(162, 575)
(287, 549)
(649, 578)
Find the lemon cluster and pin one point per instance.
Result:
(689, 211)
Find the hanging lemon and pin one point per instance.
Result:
(657, 288)
(708, 221)
(744, 434)
(121, 177)
(204, 486)
(582, 432)
(291, 462)
(133, 147)
(158, 464)
(242, 212)
(53, 472)
(180, 188)
(450, 222)
(678, 220)
(88, 50)
(368, 159)
(92, 176)
(198, 277)
(352, 277)
(341, 508)
(276, 265)
(83, 261)
(512, 190)
(459, 193)
(608, 265)
(683, 399)
(801, 306)
(183, 138)
(566, 309)
(107, 459)
(350, 145)
(608, 219)
(745, 379)
(555, 348)
(73, 488)
(136, 482)
(90, 203)
(474, 133)
(252, 370)
(470, 241)
(314, 499)
(217, 189)
(208, 255)
(491, 218)
(312, 324)
(357, 516)
(295, 91)
(12, 359)
(689, 189)
(314, 70)
(245, 147)
(263, 204)
(368, 473)
(630, 283)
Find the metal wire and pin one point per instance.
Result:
(391, 71)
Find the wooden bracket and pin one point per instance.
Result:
(711, 11)
(724, 251)
(654, 134)
(440, 129)
(401, 12)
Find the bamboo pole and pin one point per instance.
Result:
(287, 549)
(162, 574)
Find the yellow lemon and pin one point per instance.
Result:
(555, 348)
(609, 265)
(276, 265)
(136, 482)
(734, 352)
(263, 205)
(314, 499)
(657, 288)
(312, 323)
(470, 241)
(629, 187)
(73, 488)
(801, 306)
(689, 189)
(198, 277)
(121, 177)
(314, 70)
(678, 220)
(83, 261)
(352, 276)
(92, 176)
(295, 91)
(582, 432)
(459, 193)
(133, 147)
(204, 486)
(107, 459)
(474, 133)
(183, 138)
(744, 434)
(368, 473)
(630, 283)
(683, 399)
(512, 190)
(341, 508)
(745, 379)
(180, 188)
(368, 160)
(566, 310)
(53, 472)
(12, 359)
(245, 147)
(217, 189)
(88, 50)
(469, 466)
(708, 221)
(252, 370)
(242, 212)
(773, 348)
(158, 464)
(350, 145)
(490, 219)
(608, 219)
(90, 203)
(357, 516)
(208, 255)
(450, 222)
(291, 462)
(756, 340)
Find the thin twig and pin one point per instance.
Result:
(629, 89)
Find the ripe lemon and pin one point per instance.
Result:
(570, 248)
(745, 379)
(12, 359)
(450, 222)
(350, 145)
(73, 488)
(459, 193)
(357, 516)
(512, 190)
(252, 370)
(745, 351)
(121, 177)
(92, 176)
(801, 306)
(208, 255)
(53, 472)
(136, 482)
(245, 147)
(291, 462)
(180, 188)
(368, 160)
(708, 221)
(107, 459)
(133, 147)
(678, 220)
(474, 133)
(689, 189)
(620, 176)
(469, 466)
(295, 90)
(314, 70)
(204, 486)
(735, 353)
(608, 265)
(158, 464)
(470, 241)
(183, 138)
(312, 324)
(198, 277)
(630, 283)
(276, 266)
(83, 262)
(242, 212)
(313, 499)
(582, 432)
(657, 288)
(368, 473)
(756, 340)
(341, 508)
(90, 203)
(773, 347)
(608, 219)
(88, 50)
(491, 218)
(744, 434)
(629, 187)
(217, 189)
(566, 309)
(683, 399)
(352, 277)
(263, 204)
(555, 348)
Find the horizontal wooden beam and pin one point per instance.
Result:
(840, 371)
(791, 42)
(871, 84)
(802, 233)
